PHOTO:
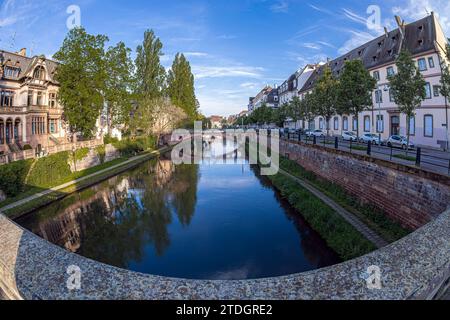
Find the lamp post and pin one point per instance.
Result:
(379, 121)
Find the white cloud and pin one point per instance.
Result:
(195, 54)
(310, 45)
(280, 7)
(201, 72)
(357, 39)
(417, 9)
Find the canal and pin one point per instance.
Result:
(199, 221)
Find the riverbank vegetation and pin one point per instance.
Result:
(343, 238)
(373, 217)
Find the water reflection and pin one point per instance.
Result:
(192, 221)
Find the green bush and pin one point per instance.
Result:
(27, 147)
(130, 147)
(108, 139)
(343, 238)
(51, 170)
(101, 152)
(12, 177)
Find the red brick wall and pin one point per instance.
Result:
(410, 196)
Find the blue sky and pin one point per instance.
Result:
(235, 47)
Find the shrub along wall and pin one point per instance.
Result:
(12, 177)
(50, 170)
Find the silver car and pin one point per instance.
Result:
(349, 136)
(374, 138)
(399, 141)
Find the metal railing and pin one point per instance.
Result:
(425, 158)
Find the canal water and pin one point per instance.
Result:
(199, 221)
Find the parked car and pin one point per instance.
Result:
(349, 136)
(374, 138)
(399, 141)
(317, 133)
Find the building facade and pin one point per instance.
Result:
(426, 41)
(267, 96)
(29, 110)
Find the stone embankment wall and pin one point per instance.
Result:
(416, 267)
(93, 158)
(411, 196)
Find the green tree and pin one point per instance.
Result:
(119, 83)
(150, 74)
(408, 88)
(326, 95)
(296, 109)
(181, 89)
(309, 106)
(355, 89)
(82, 77)
(445, 80)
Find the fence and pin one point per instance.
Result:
(33, 153)
(434, 160)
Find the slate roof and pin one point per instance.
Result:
(25, 64)
(419, 37)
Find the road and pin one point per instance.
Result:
(431, 160)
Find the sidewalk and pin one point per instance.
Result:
(68, 184)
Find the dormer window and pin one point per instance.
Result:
(420, 42)
(12, 72)
(420, 28)
(374, 58)
(389, 53)
(39, 73)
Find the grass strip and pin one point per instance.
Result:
(343, 238)
(44, 200)
(373, 217)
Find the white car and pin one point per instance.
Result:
(374, 138)
(317, 133)
(349, 136)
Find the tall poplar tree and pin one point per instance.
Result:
(181, 90)
(82, 75)
(150, 74)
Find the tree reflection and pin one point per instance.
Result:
(114, 221)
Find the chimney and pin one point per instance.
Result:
(22, 52)
(386, 32)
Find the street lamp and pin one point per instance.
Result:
(379, 121)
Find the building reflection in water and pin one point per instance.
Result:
(143, 220)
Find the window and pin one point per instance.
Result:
(428, 90)
(422, 64)
(428, 126)
(412, 126)
(390, 71)
(321, 124)
(336, 123)
(376, 75)
(431, 62)
(52, 100)
(345, 123)
(39, 99)
(53, 124)
(39, 73)
(367, 124)
(6, 98)
(380, 123)
(30, 98)
(436, 91)
(391, 96)
(355, 124)
(379, 96)
(12, 72)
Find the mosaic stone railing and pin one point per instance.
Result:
(412, 268)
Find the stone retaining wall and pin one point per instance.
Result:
(411, 196)
(415, 267)
(93, 159)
